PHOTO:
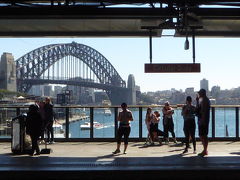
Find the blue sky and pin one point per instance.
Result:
(219, 58)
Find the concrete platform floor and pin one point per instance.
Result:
(93, 160)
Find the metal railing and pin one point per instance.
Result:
(99, 123)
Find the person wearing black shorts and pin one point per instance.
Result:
(124, 117)
(203, 113)
(34, 126)
(189, 127)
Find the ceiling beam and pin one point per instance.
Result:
(85, 13)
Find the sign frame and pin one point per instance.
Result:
(172, 68)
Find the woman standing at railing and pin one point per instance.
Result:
(148, 122)
(124, 117)
(168, 124)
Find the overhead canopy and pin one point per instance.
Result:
(131, 18)
(76, 27)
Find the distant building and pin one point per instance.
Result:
(138, 91)
(132, 88)
(47, 90)
(8, 72)
(149, 93)
(82, 95)
(100, 96)
(189, 91)
(36, 90)
(173, 90)
(204, 84)
(177, 98)
(57, 90)
(215, 92)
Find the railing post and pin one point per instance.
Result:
(237, 122)
(140, 122)
(115, 121)
(18, 111)
(91, 122)
(213, 122)
(67, 122)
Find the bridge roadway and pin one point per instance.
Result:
(83, 160)
(73, 83)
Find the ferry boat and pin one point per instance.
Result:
(86, 125)
(107, 112)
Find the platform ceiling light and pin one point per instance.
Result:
(186, 44)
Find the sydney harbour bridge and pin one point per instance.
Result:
(73, 64)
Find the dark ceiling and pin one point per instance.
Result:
(118, 18)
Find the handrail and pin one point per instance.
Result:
(67, 120)
(129, 106)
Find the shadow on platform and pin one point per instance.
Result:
(119, 167)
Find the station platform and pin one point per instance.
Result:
(83, 160)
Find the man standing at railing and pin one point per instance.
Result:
(203, 113)
(49, 118)
(124, 117)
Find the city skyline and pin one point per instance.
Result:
(218, 58)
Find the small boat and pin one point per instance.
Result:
(86, 125)
(58, 130)
(107, 112)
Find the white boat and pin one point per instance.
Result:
(58, 131)
(86, 125)
(107, 112)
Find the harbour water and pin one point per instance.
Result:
(224, 118)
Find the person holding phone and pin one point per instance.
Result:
(168, 124)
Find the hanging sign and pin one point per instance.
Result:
(173, 68)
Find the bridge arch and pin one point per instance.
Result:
(33, 64)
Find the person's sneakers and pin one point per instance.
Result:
(202, 154)
(185, 151)
(160, 142)
(52, 142)
(124, 152)
(116, 151)
(194, 152)
(37, 153)
(175, 140)
(167, 141)
(152, 144)
(41, 142)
